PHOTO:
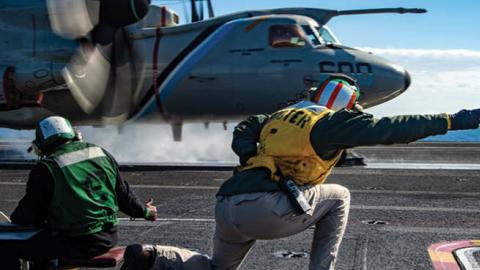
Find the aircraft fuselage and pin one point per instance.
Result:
(219, 69)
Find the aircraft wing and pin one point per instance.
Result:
(322, 16)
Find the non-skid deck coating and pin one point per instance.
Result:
(396, 213)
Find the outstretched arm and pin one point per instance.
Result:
(346, 129)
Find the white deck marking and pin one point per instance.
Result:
(422, 166)
(414, 208)
(162, 221)
(174, 187)
(389, 148)
(443, 230)
(364, 254)
(385, 228)
(12, 184)
(415, 192)
(366, 191)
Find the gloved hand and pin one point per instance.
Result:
(150, 210)
(465, 119)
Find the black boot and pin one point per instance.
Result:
(139, 257)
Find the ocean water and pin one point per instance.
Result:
(457, 136)
(451, 136)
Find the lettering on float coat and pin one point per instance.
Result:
(285, 147)
(296, 117)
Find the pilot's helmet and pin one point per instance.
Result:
(52, 132)
(336, 93)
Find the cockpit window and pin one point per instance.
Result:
(312, 35)
(327, 36)
(286, 36)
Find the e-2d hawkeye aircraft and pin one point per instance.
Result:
(109, 61)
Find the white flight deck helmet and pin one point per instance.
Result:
(336, 93)
(52, 132)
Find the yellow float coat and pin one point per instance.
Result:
(285, 147)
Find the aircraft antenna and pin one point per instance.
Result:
(211, 14)
(382, 10)
(195, 17)
(201, 10)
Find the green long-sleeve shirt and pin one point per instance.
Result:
(338, 130)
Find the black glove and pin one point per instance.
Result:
(465, 119)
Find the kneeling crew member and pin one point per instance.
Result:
(286, 157)
(74, 192)
(303, 142)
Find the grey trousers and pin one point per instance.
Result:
(241, 219)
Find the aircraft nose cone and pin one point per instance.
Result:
(408, 80)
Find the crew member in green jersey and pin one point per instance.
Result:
(74, 193)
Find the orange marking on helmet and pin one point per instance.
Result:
(334, 95)
(320, 91)
(352, 100)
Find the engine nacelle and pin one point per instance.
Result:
(22, 85)
(33, 77)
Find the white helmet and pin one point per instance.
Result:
(51, 132)
(336, 93)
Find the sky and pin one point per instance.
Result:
(440, 49)
(448, 24)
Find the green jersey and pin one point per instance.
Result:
(84, 199)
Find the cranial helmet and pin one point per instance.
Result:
(51, 132)
(336, 93)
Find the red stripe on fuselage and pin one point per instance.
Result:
(156, 47)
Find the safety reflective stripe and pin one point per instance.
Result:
(79, 156)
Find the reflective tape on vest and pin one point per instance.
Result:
(79, 156)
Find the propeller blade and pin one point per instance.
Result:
(87, 76)
(72, 18)
(91, 75)
(117, 103)
(76, 18)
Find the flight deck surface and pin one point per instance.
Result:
(396, 213)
